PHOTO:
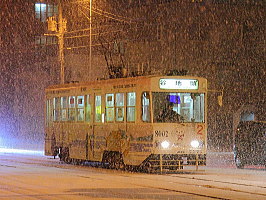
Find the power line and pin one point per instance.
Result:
(114, 18)
(105, 13)
(85, 46)
(121, 20)
(87, 29)
(79, 36)
(118, 16)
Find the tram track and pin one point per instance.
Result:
(140, 179)
(196, 185)
(225, 182)
(176, 183)
(223, 188)
(69, 167)
(209, 186)
(170, 190)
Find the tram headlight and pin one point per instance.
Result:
(165, 144)
(195, 143)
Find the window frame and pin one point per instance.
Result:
(110, 108)
(72, 109)
(80, 108)
(88, 106)
(148, 106)
(98, 119)
(56, 109)
(130, 106)
(119, 107)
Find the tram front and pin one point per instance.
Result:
(179, 125)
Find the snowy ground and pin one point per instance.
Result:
(30, 175)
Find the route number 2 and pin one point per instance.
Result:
(200, 129)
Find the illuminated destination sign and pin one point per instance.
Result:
(185, 84)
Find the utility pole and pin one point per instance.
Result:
(59, 27)
(61, 42)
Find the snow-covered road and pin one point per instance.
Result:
(34, 176)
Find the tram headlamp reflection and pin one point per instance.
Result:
(195, 143)
(165, 144)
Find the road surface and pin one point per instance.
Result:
(34, 176)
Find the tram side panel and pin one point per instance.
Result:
(140, 143)
(77, 140)
(49, 142)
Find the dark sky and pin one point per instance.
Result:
(14, 35)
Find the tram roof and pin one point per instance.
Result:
(116, 80)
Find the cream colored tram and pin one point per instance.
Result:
(124, 122)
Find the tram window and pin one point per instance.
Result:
(56, 109)
(187, 107)
(146, 117)
(193, 107)
(131, 103)
(109, 107)
(72, 109)
(88, 109)
(80, 109)
(198, 107)
(64, 108)
(120, 107)
(98, 109)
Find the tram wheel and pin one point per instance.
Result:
(64, 155)
(114, 160)
(148, 168)
(68, 160)
(117, 161)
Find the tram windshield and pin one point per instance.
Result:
(178, 107)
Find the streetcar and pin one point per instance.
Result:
(153, 123)
(250, 144)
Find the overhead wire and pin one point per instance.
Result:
(125, 19)
(110, 15)
(85, 46)
(79, 36)
(102, 13)
(87, 29)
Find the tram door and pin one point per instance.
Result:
(89, 119)
(94, 152)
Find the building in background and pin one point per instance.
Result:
(223, 41)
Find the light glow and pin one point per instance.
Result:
(40, 7)
(21, 151)
(165, 144)
(195, 143)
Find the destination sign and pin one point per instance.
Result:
(183, 84)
